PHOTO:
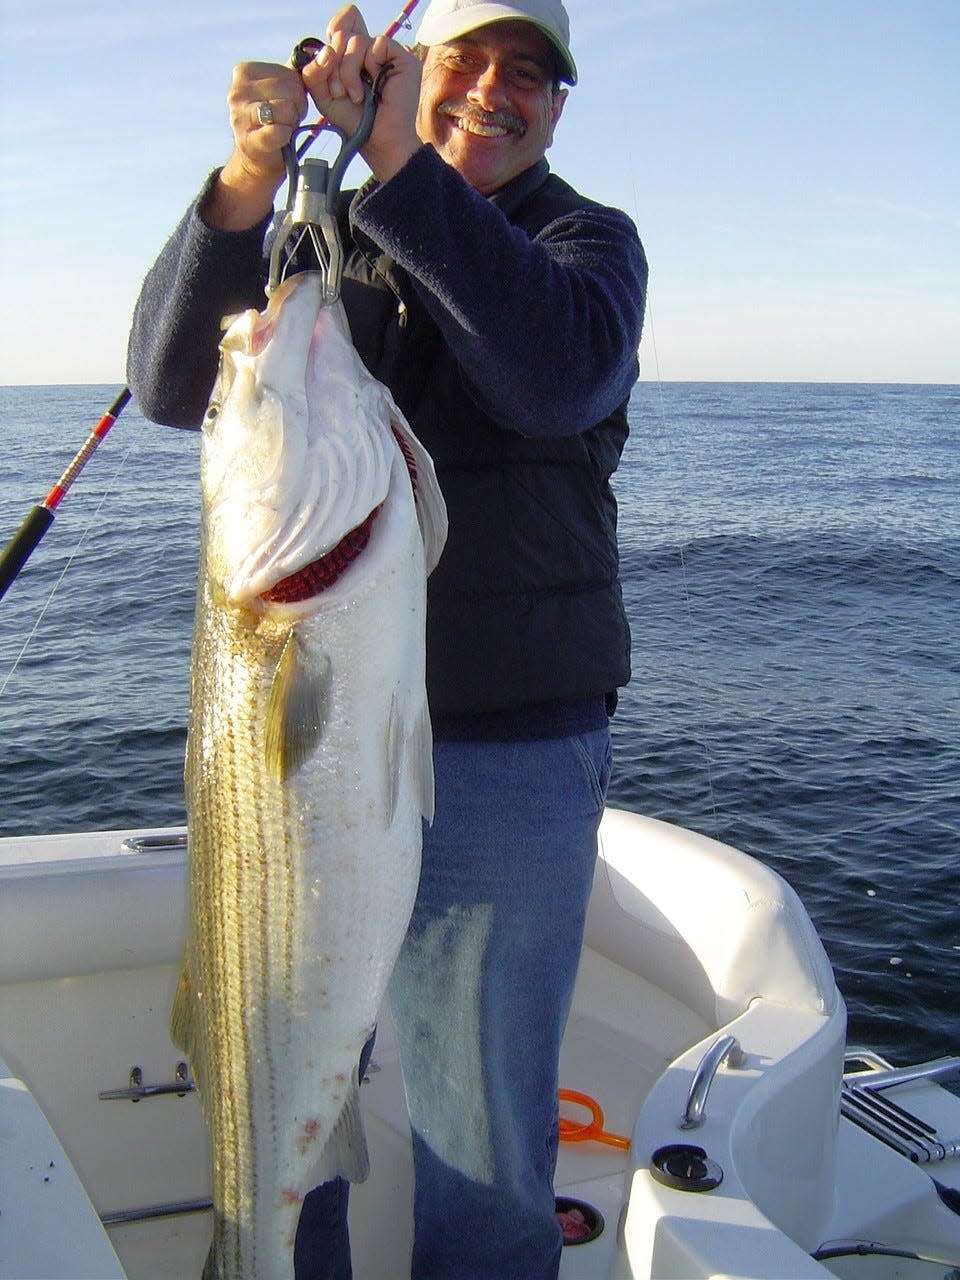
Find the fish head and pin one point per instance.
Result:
(297, 443)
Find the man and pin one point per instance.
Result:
(503, 310)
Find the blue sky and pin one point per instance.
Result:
(792, 166)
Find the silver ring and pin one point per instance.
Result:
(265, 113)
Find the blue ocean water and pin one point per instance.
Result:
(791, 569)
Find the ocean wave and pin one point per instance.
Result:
(790, 561)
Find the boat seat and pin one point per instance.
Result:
(719, 929)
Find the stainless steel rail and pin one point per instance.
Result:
(153, 843)
(136, 1090)
(726, 1047)
(144, 1214)
(863, 1100)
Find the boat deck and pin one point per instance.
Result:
(92, 927)
(600, 1059)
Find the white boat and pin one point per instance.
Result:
(706, 1025)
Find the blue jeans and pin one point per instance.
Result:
(480, 997)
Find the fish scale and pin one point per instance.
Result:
(309, 766)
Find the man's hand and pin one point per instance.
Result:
(266, 102)
(335, 82)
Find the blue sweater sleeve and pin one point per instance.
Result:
(546, 330)
(201, 276)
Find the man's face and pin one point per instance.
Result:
(487, 103)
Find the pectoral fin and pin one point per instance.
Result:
(297, 707)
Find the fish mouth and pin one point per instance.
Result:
(482, 124)
(320, 575)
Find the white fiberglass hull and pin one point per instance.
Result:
(687, 941)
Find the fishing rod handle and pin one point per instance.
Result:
(21, 545)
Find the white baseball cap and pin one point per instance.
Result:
(447, 20)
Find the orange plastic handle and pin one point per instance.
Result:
(593, 1131)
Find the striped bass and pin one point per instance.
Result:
(309, 758)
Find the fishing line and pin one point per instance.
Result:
(38, 520)
(111, 486)
(688, 609)
(701, 735)
(24, 542)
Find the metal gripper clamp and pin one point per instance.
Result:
(313, 189)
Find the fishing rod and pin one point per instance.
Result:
(40, 518)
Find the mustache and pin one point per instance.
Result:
(492, 119)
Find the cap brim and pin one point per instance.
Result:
(451, 26)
